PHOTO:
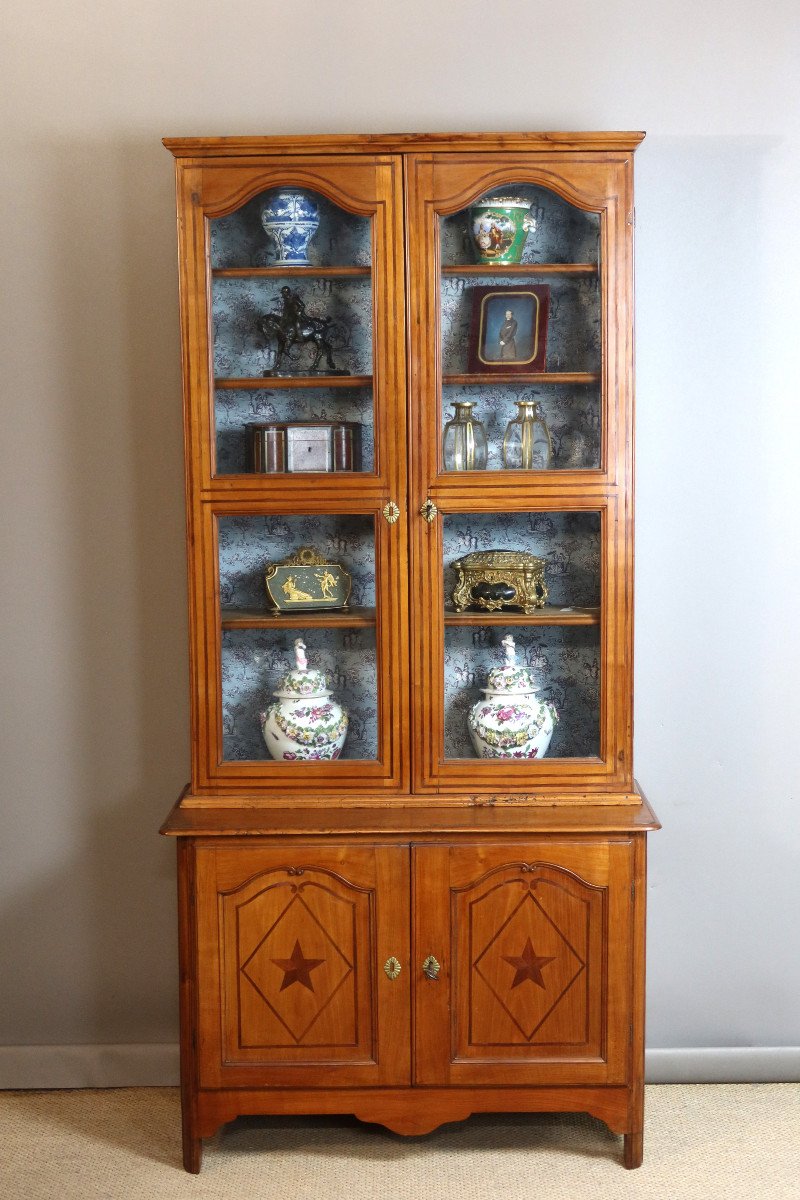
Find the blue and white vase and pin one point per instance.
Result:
(290, 220)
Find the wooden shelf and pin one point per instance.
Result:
(350, 618)
(527, 377)
(523, 269)
(364, 618)
(277, 272)
(549, 615)
(270, 382)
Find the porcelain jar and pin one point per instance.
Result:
(290, 220)
(304, 723)
(499, 227)
(511, 721)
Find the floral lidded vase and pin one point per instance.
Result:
(290, 220)
(511, 721)
(304, 723)
(499, 227)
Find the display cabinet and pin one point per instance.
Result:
(411, 857)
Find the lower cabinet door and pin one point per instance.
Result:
(292, 942)
(533, 942)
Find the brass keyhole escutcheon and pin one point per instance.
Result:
(391, 512)
(392, 968)
(429, 511)
(431, 967)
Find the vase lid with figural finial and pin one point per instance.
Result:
(302, 680)
(510, 678)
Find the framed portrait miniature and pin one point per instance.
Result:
(508, 331)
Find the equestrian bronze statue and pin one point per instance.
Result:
(293, 328)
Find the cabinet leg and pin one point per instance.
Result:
(634, 1150)
(192, 1153)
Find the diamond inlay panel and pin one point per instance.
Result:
(533, 971)
(296, 980)
(526, 962)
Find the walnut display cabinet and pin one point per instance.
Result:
(410, 932)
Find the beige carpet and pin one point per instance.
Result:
(731, 1142)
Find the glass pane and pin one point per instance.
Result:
(254, 662)
(520, 326)
(242, 348)
(325, 598)
(341, 239)
(564, 661)
(292, 334)
(522, 601)
(315, 408)
(570, 415)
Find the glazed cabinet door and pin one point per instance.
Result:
(521, 417)
(533, 944)
(294, 367)
(292, 943)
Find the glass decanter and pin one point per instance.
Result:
(464, 444)
(527, 445)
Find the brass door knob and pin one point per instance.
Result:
(431, 967)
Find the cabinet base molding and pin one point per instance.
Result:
(415, 1111)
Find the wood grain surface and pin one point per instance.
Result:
(524, 880)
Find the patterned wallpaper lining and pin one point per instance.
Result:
(236, 409)
(573, 329)
(240, 348)
(248, 544)
(343, 239)
(566, 661)
(572, 414)
(564, 233)
(254, 660)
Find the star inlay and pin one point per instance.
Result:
(298, 968)
(528, 966)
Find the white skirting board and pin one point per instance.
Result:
(156, 1065)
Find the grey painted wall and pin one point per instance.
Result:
(94, 662)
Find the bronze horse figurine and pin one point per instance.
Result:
(304, 330)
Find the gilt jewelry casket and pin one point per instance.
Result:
(495, 579)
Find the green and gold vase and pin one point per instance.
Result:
(499, 227)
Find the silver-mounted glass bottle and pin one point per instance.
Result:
(527, 445)
(464, 444)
